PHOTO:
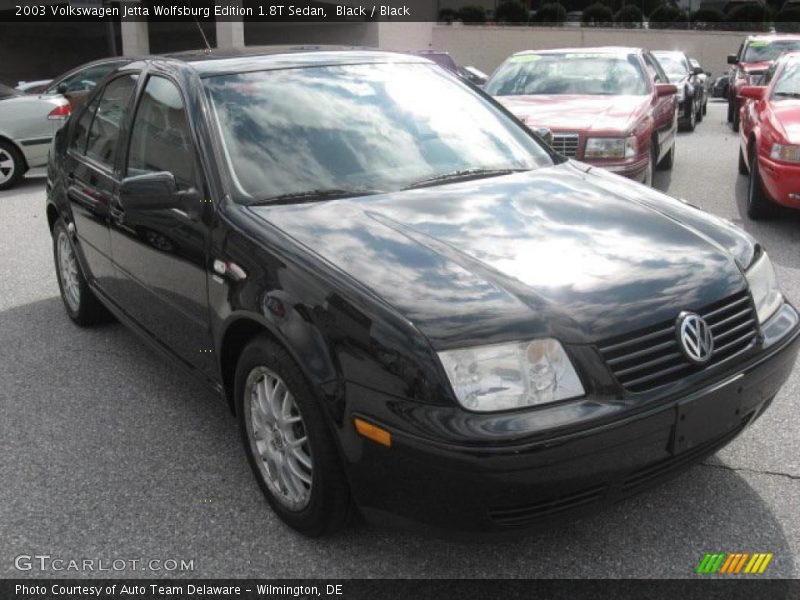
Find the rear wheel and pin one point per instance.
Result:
(287, 441)
(81, 304)
(758, 205)
(12, 165)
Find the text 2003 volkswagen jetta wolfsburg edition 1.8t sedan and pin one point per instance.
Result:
(414, 307)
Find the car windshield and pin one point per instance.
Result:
(765, 50)
(569, 73)
(333, 131)
(788, 85)
(673, 64)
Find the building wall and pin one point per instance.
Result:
(487, 46)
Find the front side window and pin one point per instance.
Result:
(81, 131)
(380, 127)
(582, 73)
(101, 144)
(160, 136)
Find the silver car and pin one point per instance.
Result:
(27, 126)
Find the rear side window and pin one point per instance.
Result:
(81, 131)
(160, 136)
(104, 133)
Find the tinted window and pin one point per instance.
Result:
(104, 133)
(160, 137)
(378, 127)
(569, 73)
(81, 130)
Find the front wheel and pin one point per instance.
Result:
(742, 164)
(692, 117)
(668, 161)
(758, 205)
(12, 165)
(81, 304)
(287, 440)
(730, 110)
(651, 167)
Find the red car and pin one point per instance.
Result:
(769, 137)
(609, 107)
(752, 60)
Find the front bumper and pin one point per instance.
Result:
(505, 488)
(634, 168)
(781, 181)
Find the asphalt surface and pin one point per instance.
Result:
(106, 452)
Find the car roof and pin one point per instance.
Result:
(593, 50)
(261, 58)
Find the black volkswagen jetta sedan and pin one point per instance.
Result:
(412, 305)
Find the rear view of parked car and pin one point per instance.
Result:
(690, 81)
(27, 126)
(769, 138)
(610, 107)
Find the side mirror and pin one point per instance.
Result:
(666, 89)
(698, 71)
(151, 191)
(732, 59)
(753, 92)
(62, 88)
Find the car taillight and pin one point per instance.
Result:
(59, 113)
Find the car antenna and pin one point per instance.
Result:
(202, 33)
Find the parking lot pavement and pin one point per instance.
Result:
(109, 453)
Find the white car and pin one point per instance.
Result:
(27, 126)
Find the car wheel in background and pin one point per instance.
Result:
(81, 304)
(699, 113)
(668, 161)
(651, 166)
(742, 164)
(12, 165)
(287, 441)
(758, 205)
(735, 124)
(705, 107)
(692, 117)
(730, 111)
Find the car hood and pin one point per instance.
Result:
(756, 67)
(565, 251)
(577, 112)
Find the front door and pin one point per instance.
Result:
(160, 253)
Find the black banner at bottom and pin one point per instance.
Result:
(411, 589)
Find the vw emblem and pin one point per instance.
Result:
(695, 338)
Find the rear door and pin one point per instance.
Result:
(90, 172)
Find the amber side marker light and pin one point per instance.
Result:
(374, 433)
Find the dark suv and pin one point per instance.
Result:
(411, 303)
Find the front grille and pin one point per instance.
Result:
(649, 358)
(566, 144)
(521, 515)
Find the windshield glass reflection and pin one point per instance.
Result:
(379, 127)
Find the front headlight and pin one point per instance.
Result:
(610, 148)
(764, 287)
(515, 375)
(789, 153)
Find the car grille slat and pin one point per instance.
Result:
(566, 144)
(646, 359)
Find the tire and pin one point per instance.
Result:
(735, 124)
(758, 205)
(700, 114)
(321, 505)
(651, 166)
(79, 300)
(12, 165)
(668, 161)
(730, 111)
(705, 107)
(742, 164)
(692, 117)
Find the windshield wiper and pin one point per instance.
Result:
(315, 196)
(788, 94)
(461, 175)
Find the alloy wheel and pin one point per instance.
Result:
(7, 165)
(68, 271)
(278, 439)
